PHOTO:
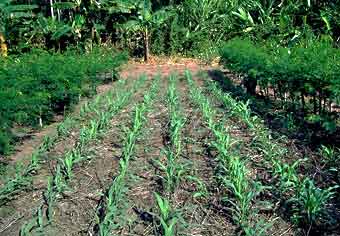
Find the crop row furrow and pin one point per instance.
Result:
(308, 202)
(111, 205)
(60, 180)
(173, 169)
(233, 173)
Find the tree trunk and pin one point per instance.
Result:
(52, 11)
(3, 45)
(320, 102)
(303, 102)
(250, 84)
(146, 45)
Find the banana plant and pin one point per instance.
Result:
(167, 216)
(10, 14)
(145, 20)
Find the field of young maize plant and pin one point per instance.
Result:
(170, 153)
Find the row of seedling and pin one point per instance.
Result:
(232, 170)
(23, 174)
(105, 102)
(306, 199)
(64, 170)
(111, 206)
(173, 169)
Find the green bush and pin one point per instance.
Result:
(34, 86)
(297, 72)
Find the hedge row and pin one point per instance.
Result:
(301, 74)
(36, 85)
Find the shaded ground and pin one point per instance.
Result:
(282, 121)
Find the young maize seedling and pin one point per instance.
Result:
(59, 180)
(47, 144)
(63, 128)
(71, 158)
(88, 133)
(104, 120)
(243, 190)
(19, 182)
(177, 123)
(26, 229)
(201, 187)
(310, 201)
(287, 174)
(34, 164)
(49, 198)
(168, 218)
(40, 220)
(223, 143)
(173, 171)
(331, 158)
(84, 109)
(113, 199)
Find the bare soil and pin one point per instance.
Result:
(76, 209)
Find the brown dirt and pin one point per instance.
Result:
(75, 211)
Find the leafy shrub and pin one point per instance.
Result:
(300, 73)
(38, 84)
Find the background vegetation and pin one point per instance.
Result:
(174, 26)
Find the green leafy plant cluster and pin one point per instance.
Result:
(167, 216)
(37, 85)
(307, 77)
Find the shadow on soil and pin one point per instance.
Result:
(281, 121)
(276, 118)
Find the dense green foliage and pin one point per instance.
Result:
(192, 27)
(36, 85)
(304, 75)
